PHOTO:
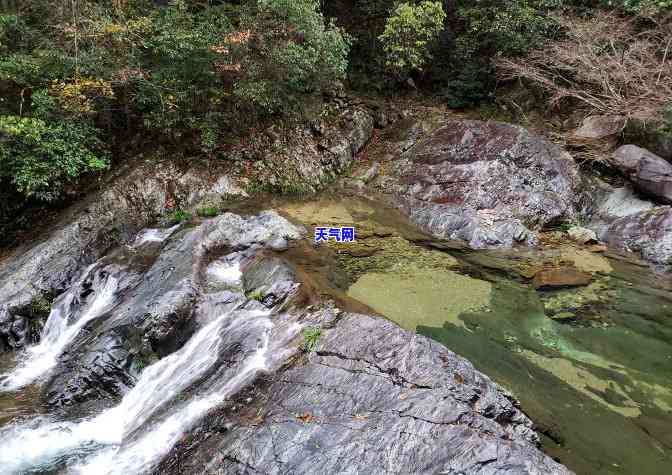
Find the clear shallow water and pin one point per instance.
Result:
(596, 379)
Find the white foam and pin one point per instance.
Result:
(224, 272)
(58, 333)
(154, 235)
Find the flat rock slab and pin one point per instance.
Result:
(560, 277)
(373, 398)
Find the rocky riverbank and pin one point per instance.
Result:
(346, 397)
(291, 380)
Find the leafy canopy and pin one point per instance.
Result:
(408, 34)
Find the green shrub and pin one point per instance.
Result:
(468, 85)
(180, 216)
(311, 336)
(257, 295)
(409, 33)
(285, 50)
(208, 211)
(40, 155)
(509, 27)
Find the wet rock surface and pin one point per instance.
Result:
(198, 309)
(152, 312)
(649, 173)
(487, 183)
(371, 397)
(648, 233)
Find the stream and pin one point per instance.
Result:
(590, 365)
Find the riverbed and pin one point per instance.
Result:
(590, 365)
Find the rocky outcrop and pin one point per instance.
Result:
(152, 310)
(138, 194)
(648, 233)
(650, 174)
(371, 397)
(210, 310)
(487, 183)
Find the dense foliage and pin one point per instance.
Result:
(408, 34)
(80, 78)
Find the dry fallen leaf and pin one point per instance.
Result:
(306, 417)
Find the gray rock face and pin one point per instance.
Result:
(489, 184)
(373, 398)
(600, 127)
(648, 233)
(649, 173)
(113, 216)
(152, 313)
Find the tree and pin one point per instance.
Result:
(408, 34)
(286, 49)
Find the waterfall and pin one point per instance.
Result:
(60, 330)
(111, 443)
(71, 312)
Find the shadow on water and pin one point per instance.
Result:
(592, 366)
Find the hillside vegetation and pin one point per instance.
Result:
(85, 83)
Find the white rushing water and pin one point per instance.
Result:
(223, 272)
(41, 444)
(58, 332)
(154, 235)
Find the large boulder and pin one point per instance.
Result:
(651, 174)
(488, 183)
(371, 397)
(648, 233)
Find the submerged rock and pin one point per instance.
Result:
(560, 277)
(488, 183)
